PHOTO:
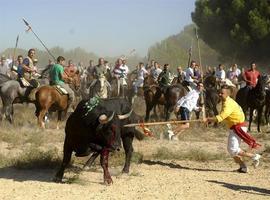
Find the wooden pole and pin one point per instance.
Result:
(163, 123)
(201, 68)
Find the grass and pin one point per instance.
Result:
(198, 155)
(34, 158)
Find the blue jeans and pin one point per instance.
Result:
(183, 113)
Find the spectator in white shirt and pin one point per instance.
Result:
(220, 73)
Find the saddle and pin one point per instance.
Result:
(60, 89)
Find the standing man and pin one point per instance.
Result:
(232, 114)
(59, 77)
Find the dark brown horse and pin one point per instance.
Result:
(155, 97)
(253, 99)
(49, 99)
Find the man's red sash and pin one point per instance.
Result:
(245, 136)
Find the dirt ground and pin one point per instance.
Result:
(149, 179)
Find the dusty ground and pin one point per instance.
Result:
(152, 178)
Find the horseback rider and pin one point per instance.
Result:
(233, 74)
(120, 71)
(141, 72)
(164, 78)
(99, 71)
(251, 76)
(155, 71)
(181, 74)
(190, 78)
(220, 74)
(59, 77)
(4, 68)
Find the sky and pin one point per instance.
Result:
(105, 27)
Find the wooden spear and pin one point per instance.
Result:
(162, 123)
(201, 68)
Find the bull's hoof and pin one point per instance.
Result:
(108, 181)
(57, 180)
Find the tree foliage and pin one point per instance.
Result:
(175, 49)
(237, 29)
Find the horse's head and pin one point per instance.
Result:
(101, 81)
(263, 80)
(210, 81)
(149, 80)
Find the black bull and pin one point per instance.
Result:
(84, 134)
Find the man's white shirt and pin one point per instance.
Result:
(189, 101)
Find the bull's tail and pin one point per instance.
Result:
(140, 136)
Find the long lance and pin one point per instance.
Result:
(201, 68)
(14, 51)
(163, 123)
(190, 52)
(30, 28)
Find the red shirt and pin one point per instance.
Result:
(251, 77)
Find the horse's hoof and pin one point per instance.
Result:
(125, 171)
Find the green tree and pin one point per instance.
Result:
(237, 29)
(175, 49)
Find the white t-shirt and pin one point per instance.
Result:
(220, 74)
(141, 73)
(189, 74)
(189, 101)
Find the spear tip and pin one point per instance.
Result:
(26, 23)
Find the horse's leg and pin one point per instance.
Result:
(148, 110)
(167, 112)
(8, 111)
(250, 117)
(41, 116)
(266, 114)
(259, 118)
(58, 119)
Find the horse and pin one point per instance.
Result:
(49, 99)
(253, 99)
(4, 78)
(99, 88)
(267, 106)
(12, 92)
(154, 96)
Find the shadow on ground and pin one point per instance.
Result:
(42, 175)
(177, 166)
(243, 188)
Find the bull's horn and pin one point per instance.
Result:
(111, 117)
(103, 119)
(125, 116)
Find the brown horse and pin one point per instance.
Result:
(49, 99)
